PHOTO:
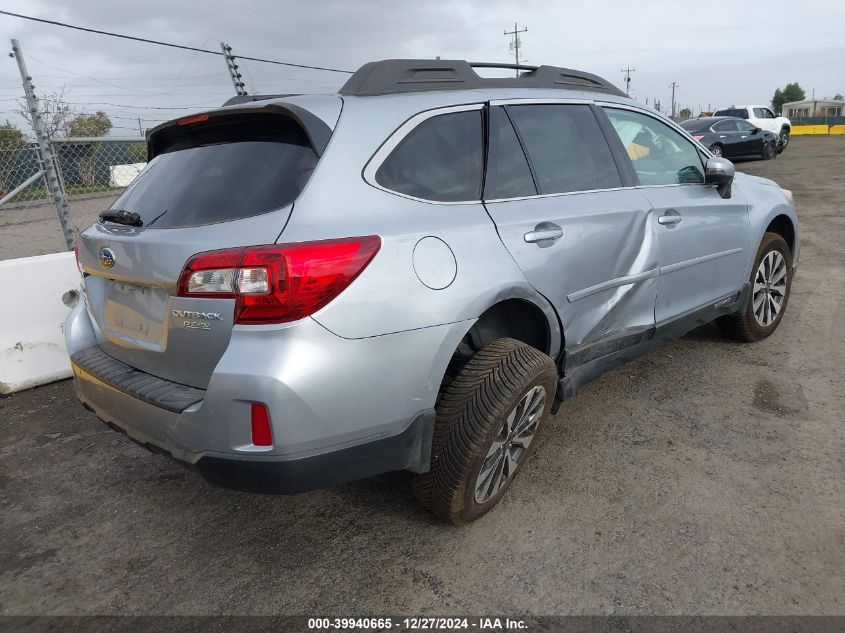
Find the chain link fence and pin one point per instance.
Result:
(98, 165)
(21, 174)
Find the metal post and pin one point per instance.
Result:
(516, 42)
(45, 150)
(232, 67)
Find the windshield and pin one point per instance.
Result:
(225, 169)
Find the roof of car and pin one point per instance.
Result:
(394, 76)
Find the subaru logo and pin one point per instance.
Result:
(106, 257)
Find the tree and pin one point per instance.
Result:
(839, 97)
(83, 124)
(55, 112)
(791, 92)
(86, 125)
(685, 113)
(11, 142)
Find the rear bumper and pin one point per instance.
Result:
(340, 409)
(407, 449)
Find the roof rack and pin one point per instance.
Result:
(392, 76)
(249, 98)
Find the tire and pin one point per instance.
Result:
(748, 326)
(716, 149)
(473, 414)
(769, 151)
(783, 140)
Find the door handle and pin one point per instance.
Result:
(544, 234)
(670, 218)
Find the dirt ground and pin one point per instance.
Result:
(706, 478)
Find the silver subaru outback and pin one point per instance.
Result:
(412, 274)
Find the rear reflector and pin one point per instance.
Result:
(278, 283)
(262, 435)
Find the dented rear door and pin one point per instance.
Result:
(582, 239)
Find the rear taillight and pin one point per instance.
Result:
(698, 137)
(278, 283)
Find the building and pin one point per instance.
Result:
(813, 108)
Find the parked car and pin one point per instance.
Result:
(298, 291)
(732, 137)
(762, 117)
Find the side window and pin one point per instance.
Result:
(566, 148)
(661, 156)
(508, 174)
(441, 159)
(745, 126)
(768, 114)
(760, 113)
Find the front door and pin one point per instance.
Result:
(704, 238)
(587, 243)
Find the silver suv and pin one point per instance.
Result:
(411, 275)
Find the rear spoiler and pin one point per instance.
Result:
(317, 131)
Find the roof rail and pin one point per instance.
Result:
(392, 76)
(249, 98)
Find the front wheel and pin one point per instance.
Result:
(716, 150)
(488, 420)
(783, 140)
(771, 282)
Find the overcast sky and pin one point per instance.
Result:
(719, 53)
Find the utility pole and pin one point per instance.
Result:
(44, 149)
(628, 72)
(232, 67)
(516, 42)
(673, 85)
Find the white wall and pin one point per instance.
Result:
(32, 317)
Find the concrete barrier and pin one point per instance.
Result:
(32, 318)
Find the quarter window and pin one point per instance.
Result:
(660, 155)
(441, 159)
(566, 148)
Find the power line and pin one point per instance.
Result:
(170, 44)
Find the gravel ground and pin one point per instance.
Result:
(706, 478)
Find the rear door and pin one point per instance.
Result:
(728, 137)
(583, 238)
(751, 138)
(703, 237)
(214, 182)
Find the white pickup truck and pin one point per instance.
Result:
(762, 117)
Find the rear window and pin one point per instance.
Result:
(694, 125)
(740, 113)
(224, 169)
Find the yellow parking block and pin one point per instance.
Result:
(837, 129)
(801, 130)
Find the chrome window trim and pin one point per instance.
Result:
(557, 194)
(398, 135)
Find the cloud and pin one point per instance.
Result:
(738, 52)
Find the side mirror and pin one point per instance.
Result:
(756, 130)
(720, 172)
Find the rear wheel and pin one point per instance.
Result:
(488, 420)
(769, 151)
(716, 149)
(771, 282)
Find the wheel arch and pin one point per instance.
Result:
(518, 317)
(782, 225)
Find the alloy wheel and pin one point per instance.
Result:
(513, 439)
(769, 288)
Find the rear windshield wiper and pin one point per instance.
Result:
(121, 216)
